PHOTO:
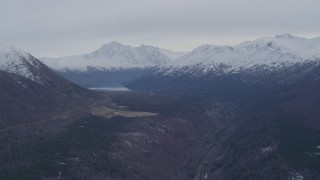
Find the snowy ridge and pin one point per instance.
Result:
(172, 55)
(113, 56)
(270, 52)
(17, 61)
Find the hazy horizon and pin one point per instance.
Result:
(59, 28)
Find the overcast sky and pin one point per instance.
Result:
(55, 28)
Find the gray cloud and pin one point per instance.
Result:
(66, 27)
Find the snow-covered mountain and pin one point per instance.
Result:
(264, 63)
(275, 51)
(19, 62)
(113, 56)
(30, 91)
(28, 72)
(116, 64)
(111, 65)
(270, 52)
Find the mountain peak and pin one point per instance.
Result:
(19, 62)
(112, 45)
(110, 48)
(287, 36)
(284, 35)
(6, 50)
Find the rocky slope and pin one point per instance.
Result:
(30, 90)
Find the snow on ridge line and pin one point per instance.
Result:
(270, 51)
(114, 56)
(19, 62)
(275, 51)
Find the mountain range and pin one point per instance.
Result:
(114, 56)
(273, 85)
(111, 65)
(265, 62)
(116, 64)
(249, 111)
(270, 51)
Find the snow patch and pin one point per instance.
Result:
(295, 176)
(267, 149)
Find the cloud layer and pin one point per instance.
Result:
(65, 27)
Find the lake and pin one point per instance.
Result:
(122, 88)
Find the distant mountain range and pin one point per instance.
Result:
(249, 111)
(269, 52)
(248, 69)
(116, 64)
(111, 65)
(114, 56)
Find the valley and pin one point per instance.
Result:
(160, 90)
(186, 137)
(190, 116)
(80, 143)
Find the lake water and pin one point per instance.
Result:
(110, 88)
